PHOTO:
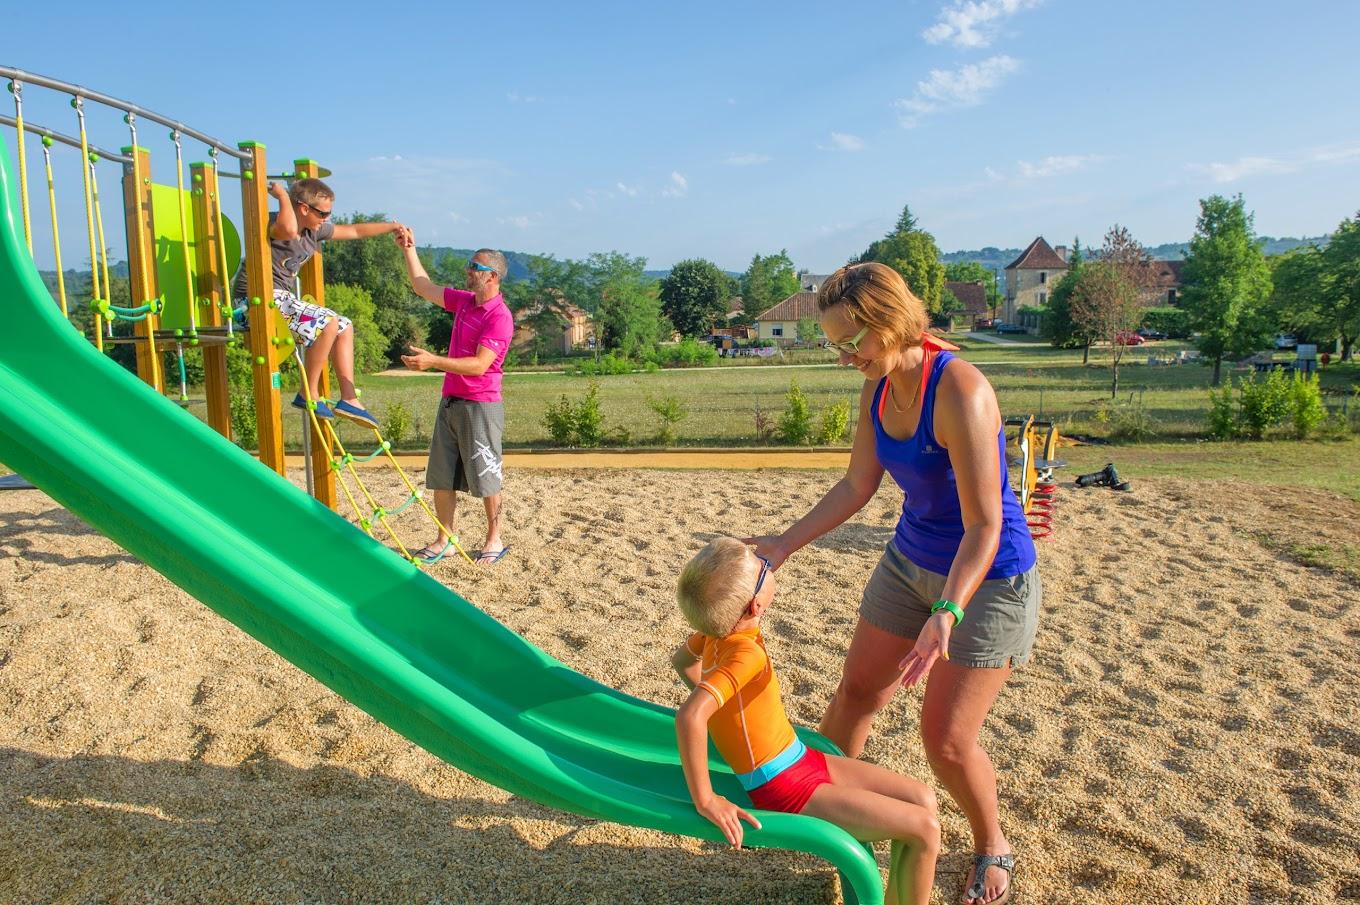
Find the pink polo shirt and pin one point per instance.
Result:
(489, 324)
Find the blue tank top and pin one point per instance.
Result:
(931, 527)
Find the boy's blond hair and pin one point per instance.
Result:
(876, 296)
(716, 586)
(310, 191)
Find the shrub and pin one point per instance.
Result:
(581, 424)
(1222, 416)
(764, 430)
(795, 424)
(1264, 403)
(1131, 423)
(560, 421)
(687, 353)
(1174, 322)
(671, 411)
(835, 423)
(607, 364)
(242, 398)
(355, 303)
(396, 426)
(1308, 412)
(588, 419)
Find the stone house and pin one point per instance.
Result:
(1031, 277)
(780, 323)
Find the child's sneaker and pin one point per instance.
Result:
(356, 413)
(322, 409)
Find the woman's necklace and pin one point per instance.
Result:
(892, 392)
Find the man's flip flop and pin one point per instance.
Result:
(485, 559)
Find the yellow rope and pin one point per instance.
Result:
(191, 296)
(387, 451)
(103, 252)
(56, 239)
(16, 88)
(89, 209)
(225, 298)
(377, 510)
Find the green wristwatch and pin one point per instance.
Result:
(949, 607)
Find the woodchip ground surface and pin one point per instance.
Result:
(1186, 732)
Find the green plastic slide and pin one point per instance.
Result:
(367, 624)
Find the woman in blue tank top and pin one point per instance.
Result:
(956, 593)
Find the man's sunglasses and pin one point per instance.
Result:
(320, 214)
(850, 346)
(477, 265)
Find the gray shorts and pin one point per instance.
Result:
(999, 622)
(465, 451)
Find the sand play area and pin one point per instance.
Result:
(1187, 732)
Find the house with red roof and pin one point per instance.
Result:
(1031, 277)
(780, 323)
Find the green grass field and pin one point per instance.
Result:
(722, 402)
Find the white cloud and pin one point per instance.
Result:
(576, 204)
(629, 190)
(746, 160)
(1245, 167)
(1052, 165)
(842, 141)
(520, 221)
(973, 23)
(457, 217)
(678, 188)
(947, 89)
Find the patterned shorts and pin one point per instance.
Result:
(305, 319)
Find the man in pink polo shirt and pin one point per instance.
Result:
(465, 451)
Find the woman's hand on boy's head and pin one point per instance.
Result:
(727, 817)
(770, 546)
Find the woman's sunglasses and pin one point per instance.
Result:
(850, 346)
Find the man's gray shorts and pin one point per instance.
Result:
(999, 622)
(465, 451)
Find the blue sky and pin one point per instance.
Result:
(721, 130)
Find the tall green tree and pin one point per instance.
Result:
(1108, 297)
(1300, 293)
(768, 281)
(1227, 282)
(913, 253)
(694, 296)
(629, 318)
(1341, 264)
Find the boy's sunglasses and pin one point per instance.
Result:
(850, 346)
(320, 214)
(476, 265)
(760, 580)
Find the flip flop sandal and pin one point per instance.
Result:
(980, 864)
(485, 559)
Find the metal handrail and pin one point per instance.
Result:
(64, 139)
(31, 78)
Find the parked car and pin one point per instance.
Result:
(983, 323)
(1128, 338)
(1149, 333)
(1010, 328)
(1286, 341)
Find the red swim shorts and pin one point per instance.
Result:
(790, 790)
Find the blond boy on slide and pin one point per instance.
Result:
(723, 591)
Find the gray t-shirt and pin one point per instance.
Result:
(289, 256)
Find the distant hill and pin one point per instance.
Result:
(994, 258)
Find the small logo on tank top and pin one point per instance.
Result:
(930, 448)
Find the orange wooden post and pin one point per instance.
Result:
(211, 291)
(141, 262)
(266, 346)
(313, 284)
